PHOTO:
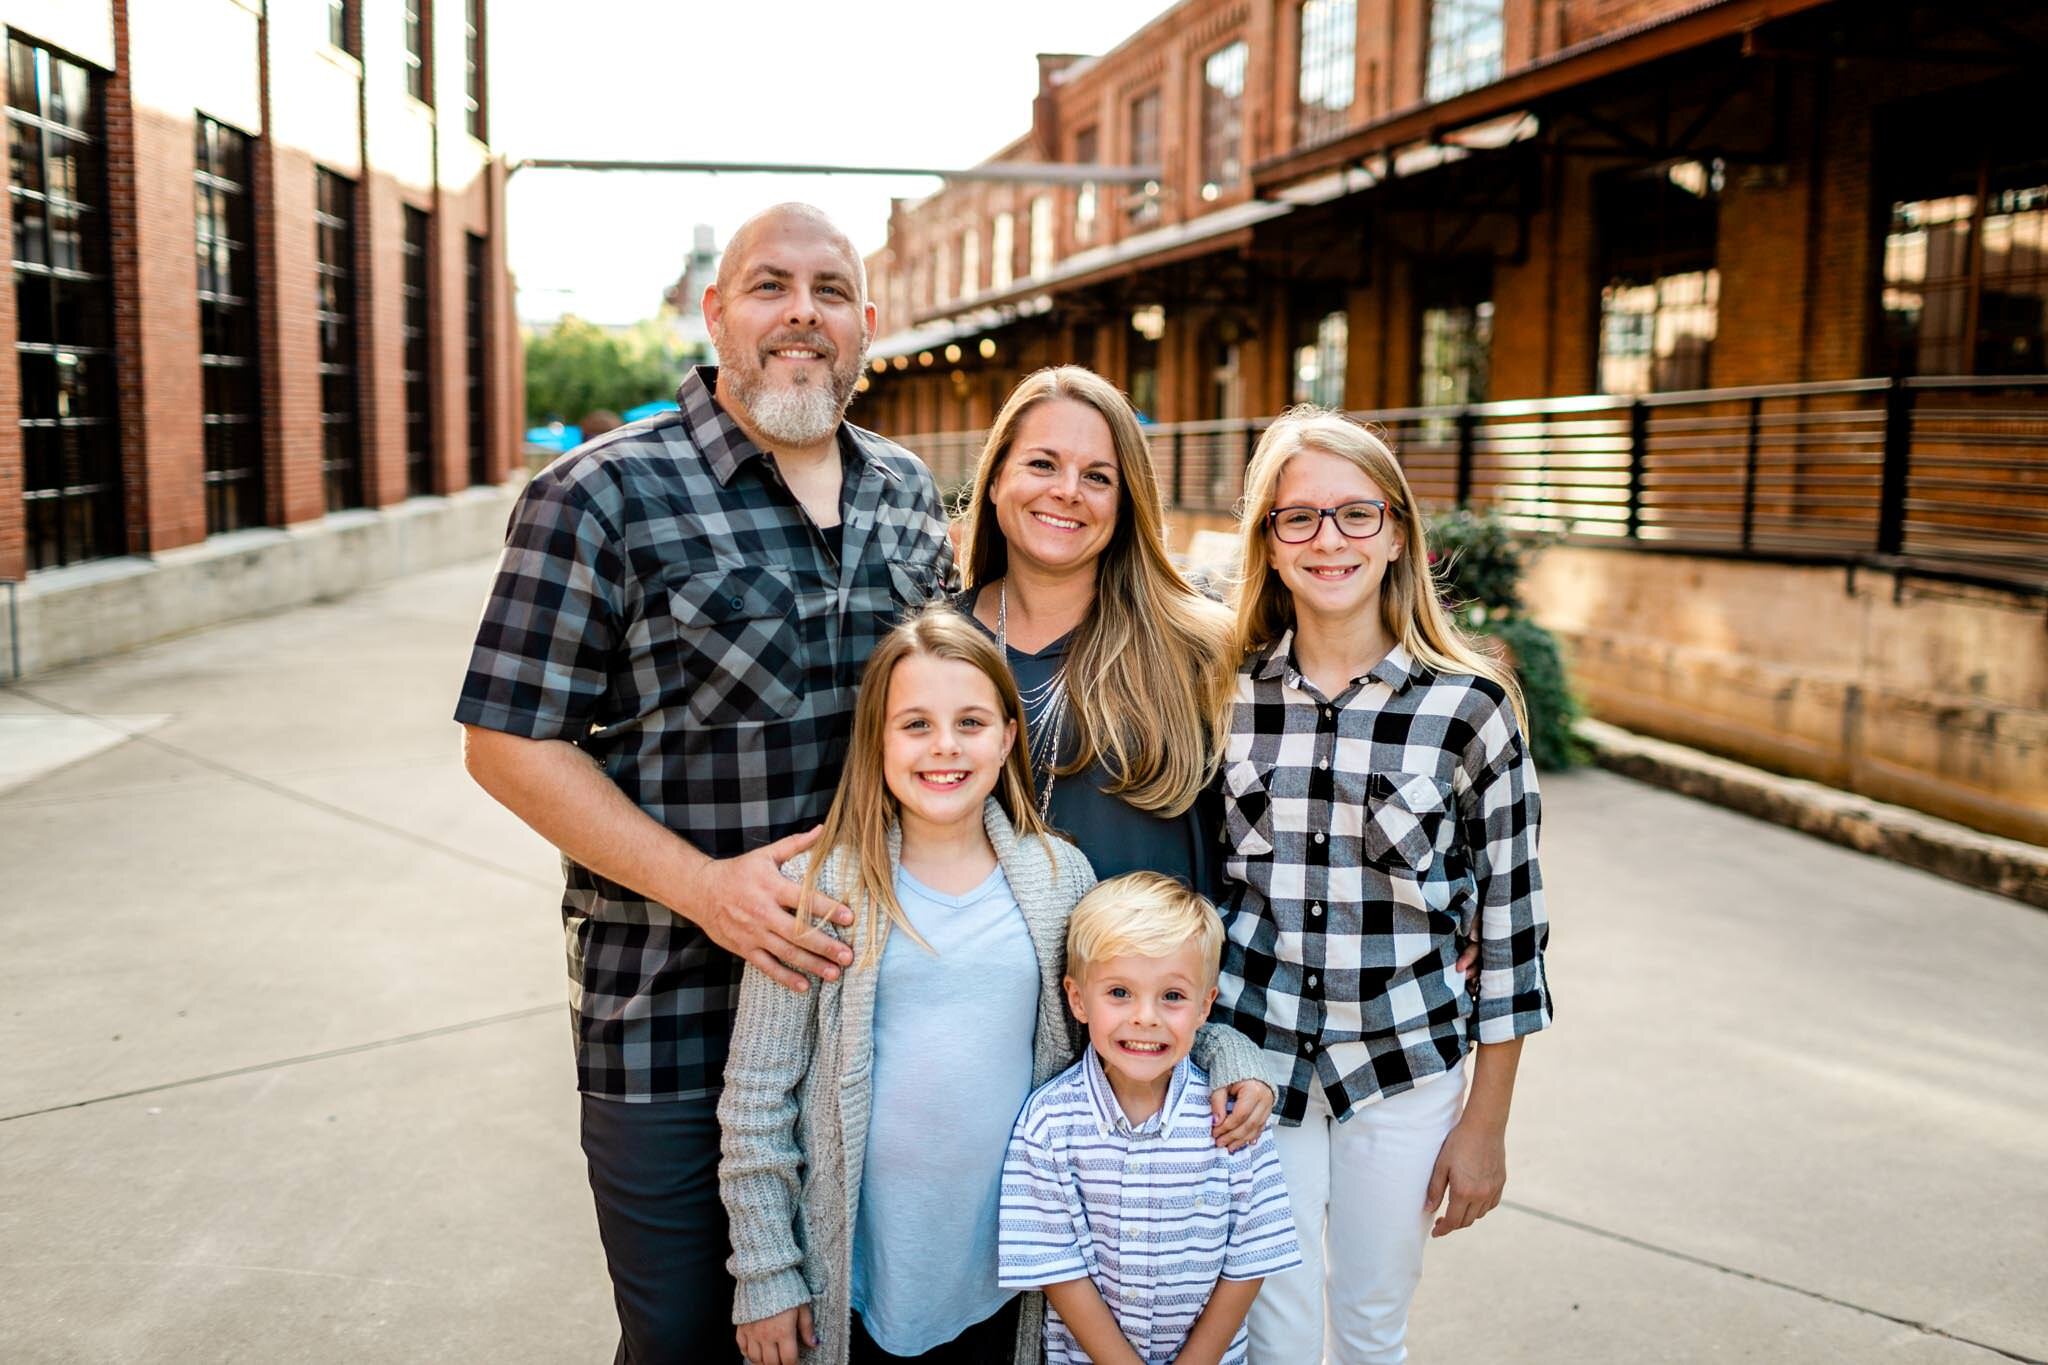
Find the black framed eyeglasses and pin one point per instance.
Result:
(1356, 520)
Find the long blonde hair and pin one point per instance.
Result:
(864, 808)
(1264, 609)
(1143, 665)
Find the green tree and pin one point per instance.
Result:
(576, 367)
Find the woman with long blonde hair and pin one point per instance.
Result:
(1117, 655)
(865, 1118)
(1380, 814)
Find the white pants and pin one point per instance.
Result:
(1357, 1190)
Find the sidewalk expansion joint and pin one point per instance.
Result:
(312, 802)
(467, 1025)
(1674, 1254)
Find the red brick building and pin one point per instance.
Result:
(1389, 203)
(258, 276)
(1750, 297)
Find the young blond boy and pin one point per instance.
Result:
(1149, 1240)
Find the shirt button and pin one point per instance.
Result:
(734, 603)
(1308, 1045)
(1322, 763)
(1326, 713)
(1312, 978)
(1319, 836)
(1316, 909)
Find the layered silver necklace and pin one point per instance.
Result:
(1047, 701)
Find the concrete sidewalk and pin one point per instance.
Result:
(285, 1069)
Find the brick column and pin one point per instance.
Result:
(380, 346)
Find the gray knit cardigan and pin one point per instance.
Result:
(798, 1088)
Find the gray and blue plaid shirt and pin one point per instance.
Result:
(665, 604)
(1369, 836)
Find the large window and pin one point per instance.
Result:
(1141, 359)
(1002, 251)
(473, 67)
(1962, 196)
(1223, 119)
(1141, 202)
(970, 261)
(224, 235)
(1086, 149)
(341, 459)
(1454, 336)
(1329, 37)
(63, 308)
(341, 25)
(475, 272)
(416, 49)
(1466, 39)
(1221, 355)
(418, 348)
(1660, 287)
(1453, 347)
(1320, 352)
(1966, 277)
(1043, 248)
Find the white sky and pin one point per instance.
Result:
(921, 82)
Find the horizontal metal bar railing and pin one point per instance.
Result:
(1944, 474)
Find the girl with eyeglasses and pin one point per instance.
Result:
(1380, 814)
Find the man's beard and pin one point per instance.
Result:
(798, 412)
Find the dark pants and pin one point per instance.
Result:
(654, 1170)
(992, 1341)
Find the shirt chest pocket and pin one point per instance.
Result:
(1248, 809)
(741, 645)
(1402, 819)
(893, 589)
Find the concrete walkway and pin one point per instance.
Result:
(285, 1073)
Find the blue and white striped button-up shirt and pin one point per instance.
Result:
(1155, 1213)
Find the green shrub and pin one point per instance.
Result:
(1478, 560)
(1546, 692)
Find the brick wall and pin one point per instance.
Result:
(270, 72)
(294, 488)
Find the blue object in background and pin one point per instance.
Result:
(648, 409)
(556, 436)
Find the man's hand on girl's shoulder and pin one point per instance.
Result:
(749, 909)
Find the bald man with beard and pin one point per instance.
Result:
(662, 687)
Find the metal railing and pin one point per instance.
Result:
(1945, 476)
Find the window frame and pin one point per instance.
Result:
(475, 112)
(335, 217)
(1145, 141)
(1330, 335)
(2003, 212)
(230, 355)
(476, 269)
(1223, 121)
(1672, 252)
(417, 17)
(1087, 195)
(1330, 60)
(72, 486)
(416, 349)
(345, 27)
(1450, 64)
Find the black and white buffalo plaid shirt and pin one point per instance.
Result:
(1370, 836)
(665, 604)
